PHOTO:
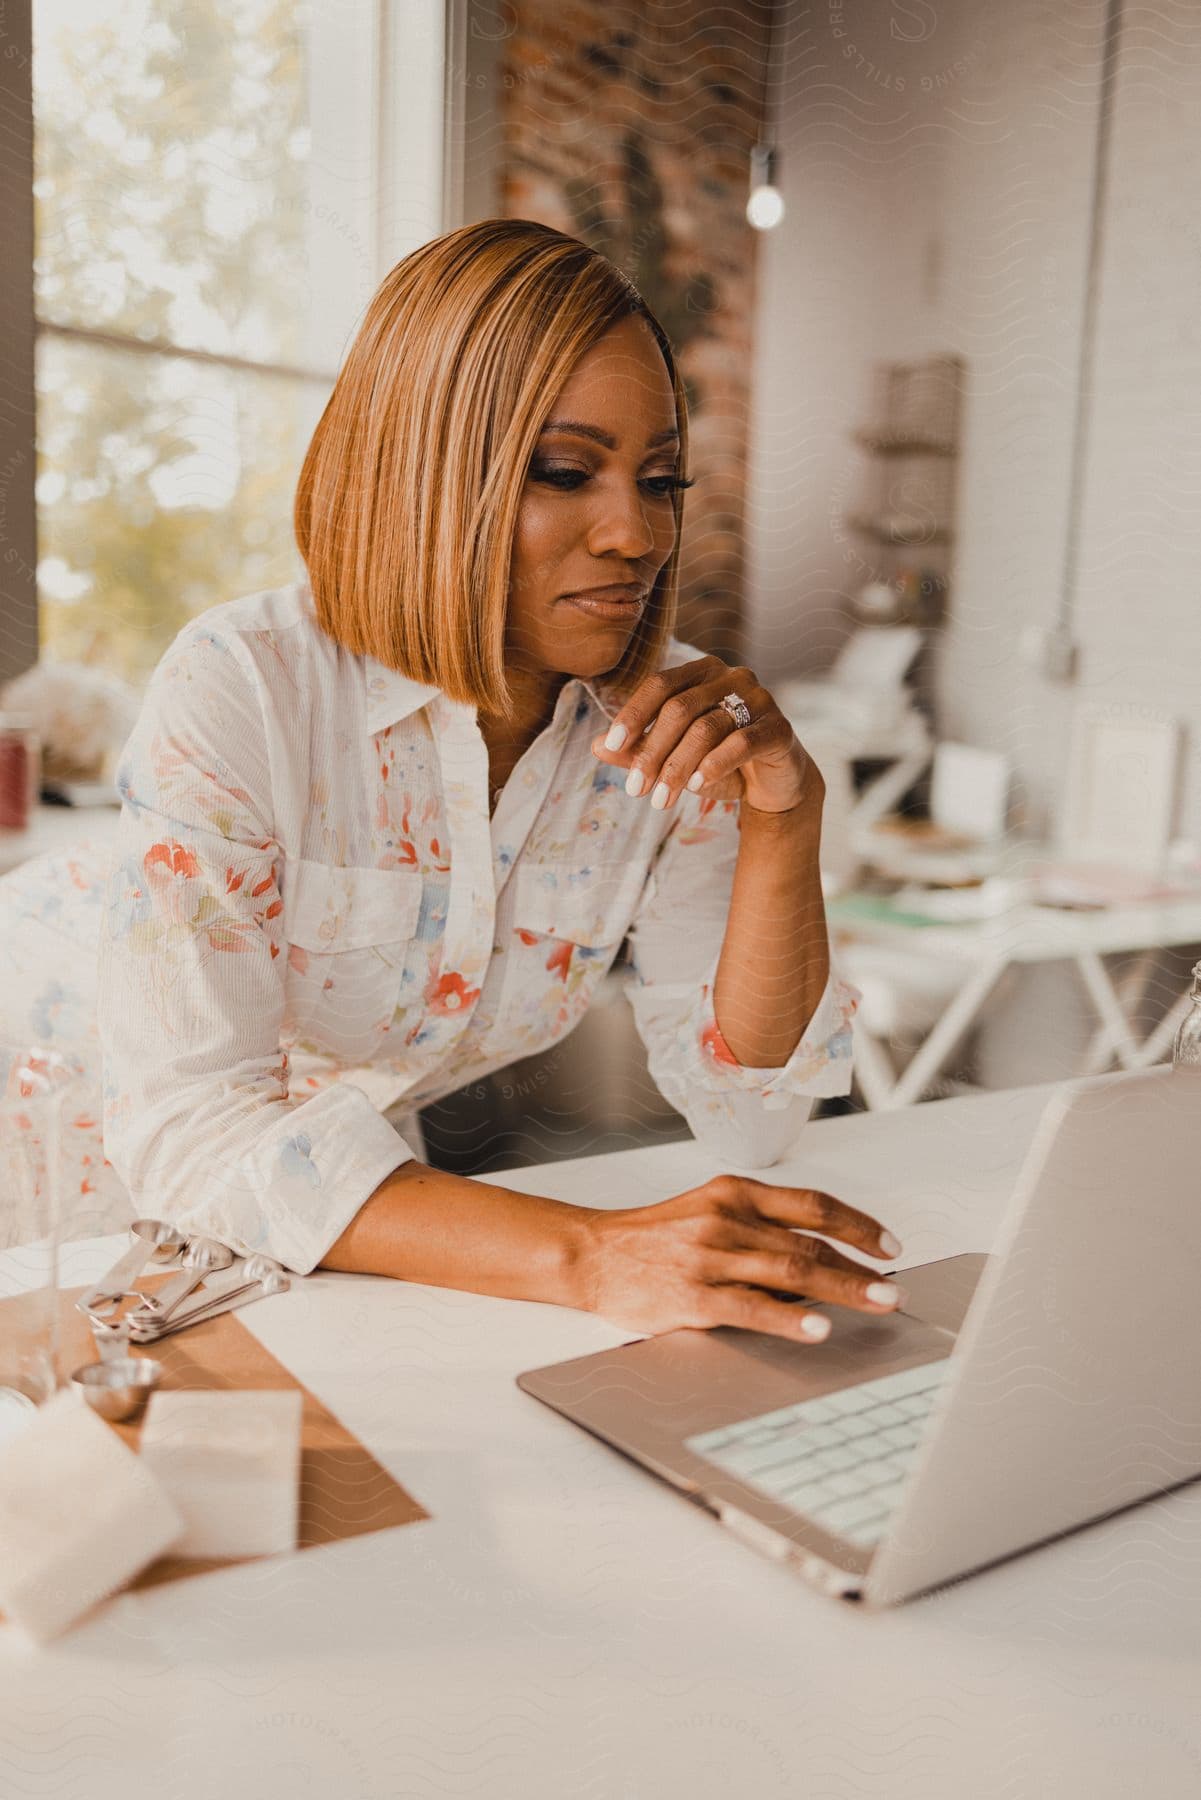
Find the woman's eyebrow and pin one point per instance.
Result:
(577, 428)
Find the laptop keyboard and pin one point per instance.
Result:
(839, 1460)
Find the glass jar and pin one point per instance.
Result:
(1187, 1048)
(36, 1086)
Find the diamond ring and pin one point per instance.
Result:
(737, 708)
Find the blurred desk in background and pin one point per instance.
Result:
(956, 966)
(54, 828)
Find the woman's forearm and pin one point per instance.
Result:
(723, 1253)
(775, 957)
(422, 1224)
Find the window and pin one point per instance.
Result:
(219, 185)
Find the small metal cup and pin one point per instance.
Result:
(118, 1389)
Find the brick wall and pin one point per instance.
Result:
(631, 127)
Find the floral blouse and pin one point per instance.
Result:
(311, 918)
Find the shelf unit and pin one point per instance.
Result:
(889, 531)
(897, 444)
(904, 519)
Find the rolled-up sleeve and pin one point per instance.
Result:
(199, 1120)
(746, 1116)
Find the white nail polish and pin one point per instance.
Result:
(661, 796)
(634, 783)
(696, 782)
(883, 1293)
(889, 1245)
(815, 1327)
(615, 737)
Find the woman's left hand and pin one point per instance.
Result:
(673, 733)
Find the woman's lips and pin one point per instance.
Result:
(622, 606)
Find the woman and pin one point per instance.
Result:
(385, 830)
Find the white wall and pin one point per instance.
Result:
(953, 214)
(1140, 616)
(840, 284)
(1014, 225)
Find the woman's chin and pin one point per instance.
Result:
(593, 650)
(602, 661)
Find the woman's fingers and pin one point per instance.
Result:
(757, 1234)
(675, 733)
(689, 724)
(790, 1262)
(661, 757)
(713, 749)
(810, 1210)
(791, 1273)
(750, 1309)
(650, 695)
(675, 719)
(724, 758)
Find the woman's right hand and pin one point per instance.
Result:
(721, 1254)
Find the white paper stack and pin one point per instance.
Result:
(230, 1461)
(79, 1517)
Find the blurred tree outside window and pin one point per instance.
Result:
(204, 193)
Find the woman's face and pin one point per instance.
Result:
(596, 511)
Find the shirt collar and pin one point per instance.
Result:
(392, 696)
(595, 687)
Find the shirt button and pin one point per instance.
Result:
(496, 950)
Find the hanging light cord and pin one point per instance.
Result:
(1066, 609)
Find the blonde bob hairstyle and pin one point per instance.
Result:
(408, 496)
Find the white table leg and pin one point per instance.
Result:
(1116, 1033)
(1133, 986)
(945, 1035)
(874, 1073)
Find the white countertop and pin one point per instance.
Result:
(563, 1624)
(54, 828)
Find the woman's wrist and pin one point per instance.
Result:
(805, 811)
(427, 1225)
(798, 827)
(569, 1276)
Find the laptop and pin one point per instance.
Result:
(1016, 1397)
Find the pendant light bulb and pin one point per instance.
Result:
(765, 204)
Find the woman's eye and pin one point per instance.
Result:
(664, 485)
(565, 477)
(558, 477)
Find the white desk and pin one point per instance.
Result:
(53, 828)
(564, 1625)
(903, 742)
(1027, 934)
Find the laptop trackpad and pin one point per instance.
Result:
(859, 1349)
(864, 1345)
(941, 1292)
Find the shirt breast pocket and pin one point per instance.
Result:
(349, 931)
(590, 905)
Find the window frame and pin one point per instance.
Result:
(410, 46)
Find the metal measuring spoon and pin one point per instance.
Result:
(154, 1241)
(112, 1336)
(201, 1256)
(144, 1324)
(267, 1278)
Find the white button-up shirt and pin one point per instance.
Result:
(312, 918)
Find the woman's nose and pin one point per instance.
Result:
(621, 525)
